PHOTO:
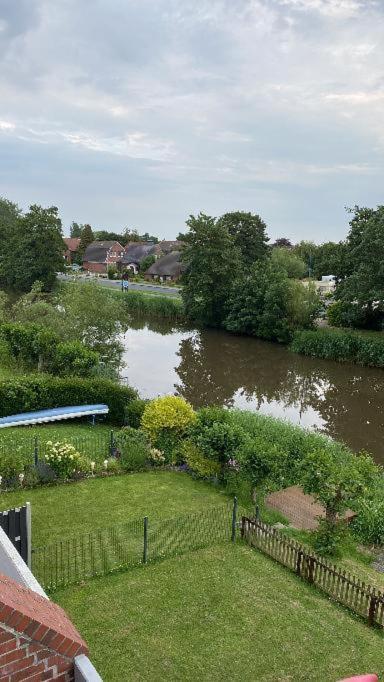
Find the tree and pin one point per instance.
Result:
(9, 216)
(212, 262)
(330, 260)
(146, 263)
(282, 242)
(362, 288)
(75, 229)
(249, 234)
(284, 259)
(337, 479)
(105, 236)
(87, 237)
(307, 252)
(34, 250)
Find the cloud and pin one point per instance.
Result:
(213, 105)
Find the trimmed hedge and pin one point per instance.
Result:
(341, 345)
(26, 393)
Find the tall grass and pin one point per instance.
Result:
(165, 307)
(342, 345)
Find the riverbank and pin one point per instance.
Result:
(343, 345)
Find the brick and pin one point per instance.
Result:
(11, 656)
(8, 646)
(27, 673)
(40, 632)
(5, 636)
(48, 675)
(16, 665)
(43, 654)
(73, 649)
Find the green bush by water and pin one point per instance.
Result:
(164, 307)
(341, 345)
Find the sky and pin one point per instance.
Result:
(138, 113)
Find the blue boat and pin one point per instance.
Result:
(53, 415)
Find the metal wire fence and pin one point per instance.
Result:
(136, 542)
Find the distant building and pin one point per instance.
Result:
(100, 254)
(168, 268)
(326, 285)
(72, 244)
(134, 254)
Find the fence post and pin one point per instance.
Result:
(242, 530)
(300, 555)
(112, 444)
(372, 610)
(234, 514)
(36, 451)
(29, 535)
(145, 549)
(257, 513)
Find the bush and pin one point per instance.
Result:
(169, 414)
(341, 345)
(23, 394)
(64, 459)
(328, 538)
(72, 357)
(197, 463)
(134, 449)
(134, 412)
(220, 442)
(265, 462)
(369, 523)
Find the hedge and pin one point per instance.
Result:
(26, 393)
(341, 345)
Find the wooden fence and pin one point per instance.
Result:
(339, 585)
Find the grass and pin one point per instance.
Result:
(54, 431)
(61, 511)
(226, 612)
(157, 306)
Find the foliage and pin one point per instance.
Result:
(23, 394)
(284, 259)
(73, 357)
(64, 459)
(86, 238)
(267, 304)
(329, 260)
(168, 413)
(212, 262)
(75, 230)
(341, 345)
(220, 441)
(134, 448)
(134, 412)
(32, 249)
(249, 233)
(328, 538)
(369, 523)
(200, 465)
(363, 283)
(306, 251)
(146, 263)
(12, 463)
(282, 242)
(112, 271)
(164, 307)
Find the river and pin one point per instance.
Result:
(213, 367)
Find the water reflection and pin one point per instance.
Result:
(210, 366)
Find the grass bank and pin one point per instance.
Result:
(153, 305)
(342, 345)
(226, 612)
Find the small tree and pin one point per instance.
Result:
(87, 237)
(337, 479)
(146, 263)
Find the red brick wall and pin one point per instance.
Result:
(37, 639)
(100, 268)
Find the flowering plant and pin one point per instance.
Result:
(157, 457)
(64, 459)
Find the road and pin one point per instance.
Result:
(116, 284)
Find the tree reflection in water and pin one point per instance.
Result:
(214, 367)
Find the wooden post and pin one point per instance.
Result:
(242, 530)
(372, 610)
(310, 566)
(300, 555)
(145, 548)
(234, 514)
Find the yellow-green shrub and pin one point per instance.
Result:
(169, 413)
(200, 465)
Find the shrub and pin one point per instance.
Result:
(12, 463)
(197, 463)
(22, 394)
(369, 523)
(207, 416)
(134, 449)
(72, 357)
(64, 459)
(220, 442)
(328, 538)
(134, 412)
(341, 345)
(169, 414)
(263, 461)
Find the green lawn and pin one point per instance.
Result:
(65, 430)
(224, 613)
(61, 511)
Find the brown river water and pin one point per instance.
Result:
(213, 367)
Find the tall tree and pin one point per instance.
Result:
(307, 252)
(9, 216)
(75, 229)
(330, 260)
(284, 259)
(212, 262)
(87, 237)
(104, 235)
(282, 243)
(249, 233)
(34, 249)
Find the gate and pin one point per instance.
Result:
(16, 524)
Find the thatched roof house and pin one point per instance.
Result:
(166, 268)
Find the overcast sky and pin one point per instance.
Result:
(139, 112)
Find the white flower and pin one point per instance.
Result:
(92, 465)
(1, 478)
(106, 464)
(21, 478)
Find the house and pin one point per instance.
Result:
(166, 246)
(134, 254)
(100, 254)
(72, 244)
(167, 268)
